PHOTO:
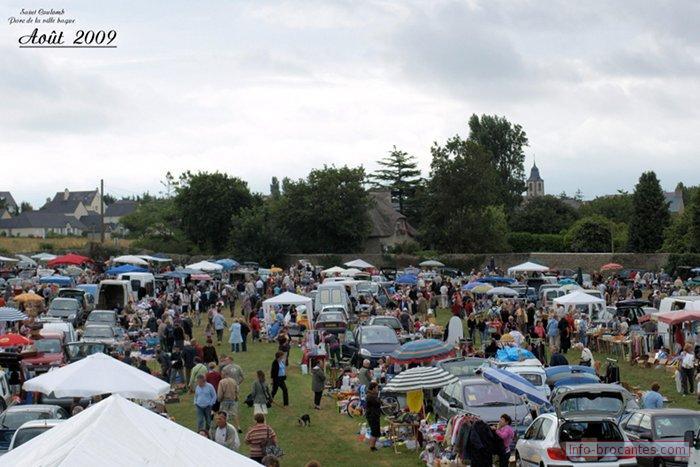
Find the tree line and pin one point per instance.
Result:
(471, 201)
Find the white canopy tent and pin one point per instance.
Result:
(359, 264)
(43, 256)
(333, 270)
(98, 374)
(350, 272)
(130, 259)
(287, 298)
(206, 266)
(578, 297)
(431, 263)
(115, 433)
(154, 259)
(5, 259)
(527, 267)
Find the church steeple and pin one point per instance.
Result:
(535, 184)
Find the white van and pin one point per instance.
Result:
(333, 293)
(115, 294)
(671, 304)
(143, 283)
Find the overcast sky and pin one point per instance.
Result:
(603, 89)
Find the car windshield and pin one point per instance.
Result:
(488, 395)
(392, 323)
(535, 379)
(462, 367)
(591, 402)
(25, 434)
(330, 317)
(68, 304)
(98, 332)
(675, 426)
(78, 351)
(48, 345)
(101, 317)
(15, 419)
(379, 335)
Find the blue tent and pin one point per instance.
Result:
(409, 279)
(227, 263)
(124, 269)
(59, 280)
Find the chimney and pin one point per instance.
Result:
(66, 193)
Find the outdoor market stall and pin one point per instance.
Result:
(527, 267)
(70, 258)
(205, 266)
(286, 298)
(116, 432)
(359, 264)
(130, 259)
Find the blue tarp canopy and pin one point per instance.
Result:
(125, 268)
(513, 354)
(227, 263)
(59, 280)
(407, 279)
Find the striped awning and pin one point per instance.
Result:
(423, 350)
(11, 314)
(427, 377)
(515, 384)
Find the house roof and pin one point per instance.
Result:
(674, 200)
(61, 206)
(92, 223)
(121, 208)
(40, 220)
(84, 196)
(10, 202)
(384, 216)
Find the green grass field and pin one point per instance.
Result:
(332, 438)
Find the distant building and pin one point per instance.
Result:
(41, 224)
(535, 184)
(389, 226)
(119, 209)
(675, 201)
(64, 200)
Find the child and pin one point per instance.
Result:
(505, 431)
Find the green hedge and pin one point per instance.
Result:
(682, 259)
(526, 242)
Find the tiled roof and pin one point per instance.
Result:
(40, 220)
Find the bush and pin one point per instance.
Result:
(525, 242)
(682, 259)
(590, 235)
(46, 246)
(408, 247)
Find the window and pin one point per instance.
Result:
(534, 429)
(633, 423)
(544, 429)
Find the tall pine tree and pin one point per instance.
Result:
(399, 174)
(651, 215)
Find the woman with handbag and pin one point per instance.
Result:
(261, 395)
(261, 438)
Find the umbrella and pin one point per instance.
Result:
(124, 269)
(14, 340)
(227, 263)
(43, 256)
(502, 291)
(359, 264)
(407, 279)
(206, 266)
(26, 260)
(275, 269)
(58, 280)
(11, 314)
(28, 297)
(611, 267)
(515, 384)
(130, 259)
(70, 258)
(421, 351)
(482, 288)
(567, 281)
(5, 259)
(431, 263)
(497, 279)
(422, 377)
(98, 374)
(200, 277)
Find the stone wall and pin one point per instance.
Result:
(587, 261)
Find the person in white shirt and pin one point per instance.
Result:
(443, 296)
(224, 433)
(586, 355)
(688, 369)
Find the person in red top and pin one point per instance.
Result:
(197, 349)
(213, 376)
(255, 326)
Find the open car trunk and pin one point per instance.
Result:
(590, 440)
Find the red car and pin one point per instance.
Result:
(48, 350)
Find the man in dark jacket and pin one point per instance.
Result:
(188, 355)
(557, 359)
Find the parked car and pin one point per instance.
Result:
(389, 321)
(30, 430)
(14, 417)
(67, 309)
(108, 317)
(555, 374)
(462, 367)
(79, 350)
(46, 351)
(631, 404)
(332, 320)
(369, 342)
(5, 394)
(100, 333)
(660, 425)
(115, 295)
(87, 300)
(57, 325)
(530, 369)
(483, 398)
(584, 414)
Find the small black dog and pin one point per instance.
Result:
(304, 420)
